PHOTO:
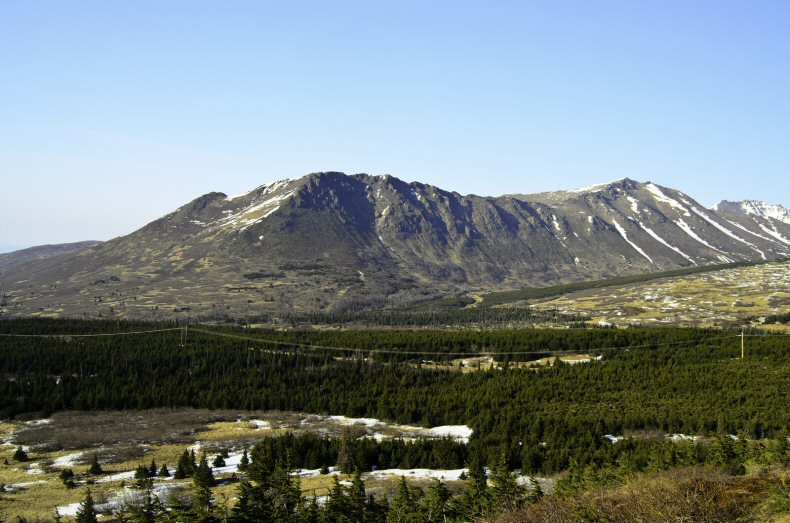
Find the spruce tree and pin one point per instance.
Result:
(203, 475)
(67, 477)
(336, 508)
(244, 463)
(507, 494)
(356, 498)
(435, 505)
(95, 467)
(475, 500)
(149, 511)
(345, 462)
(218, 461)
(284, 491)
(20, 454)
(164, 472)
(87, 511)
(403, 508)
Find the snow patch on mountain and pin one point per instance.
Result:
(596, 187)
(756, 208)
(773, 232)
(659, 195)
(658, 238)
(632, 244)
(726, 231)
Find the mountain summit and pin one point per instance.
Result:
(334, 241)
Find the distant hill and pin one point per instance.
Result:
(330, 241)
(41, 252)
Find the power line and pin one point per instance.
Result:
(383, 351)
(88, 335)
(439, 353)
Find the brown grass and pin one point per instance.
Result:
(684, 495)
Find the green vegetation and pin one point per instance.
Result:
(553, 420)
(670, 380)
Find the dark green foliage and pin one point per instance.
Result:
(219, 461)
(203, 476)
(87, 511)
(141, 472)
(186, 465)
(777, 318)
(67, 477)
(678, 380)
(95, 467)
(311, 451)
(149, 510)
(475, 501)
(404, 507)
(164, 472)
(506, 493)
(244, 463)
(435, 506)
(20, 454)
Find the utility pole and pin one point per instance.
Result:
(742, 336)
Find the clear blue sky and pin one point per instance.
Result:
(114, 113)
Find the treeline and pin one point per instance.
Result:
(350, 453)
(777, 318)
(669, 380)
(504, 344)
(436, 317)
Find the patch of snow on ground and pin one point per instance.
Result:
(368, 422)
(632, 244)
(69, 460)
(308, 473)
(659, 239)
(69, 510)
(231, 464)
(459, 432)
(35, 469)
(37, 422)
(120, 476)
(682, 437)
(614, 439)
(131, 496)
(261, 424)
(15, 486)
(443, 475)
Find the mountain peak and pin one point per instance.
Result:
(755, 208)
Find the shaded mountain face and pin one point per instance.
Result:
(332, 241)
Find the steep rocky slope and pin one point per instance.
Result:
(332, 241)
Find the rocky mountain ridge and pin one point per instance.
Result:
(330, 241)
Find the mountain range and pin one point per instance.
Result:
(330, 241)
